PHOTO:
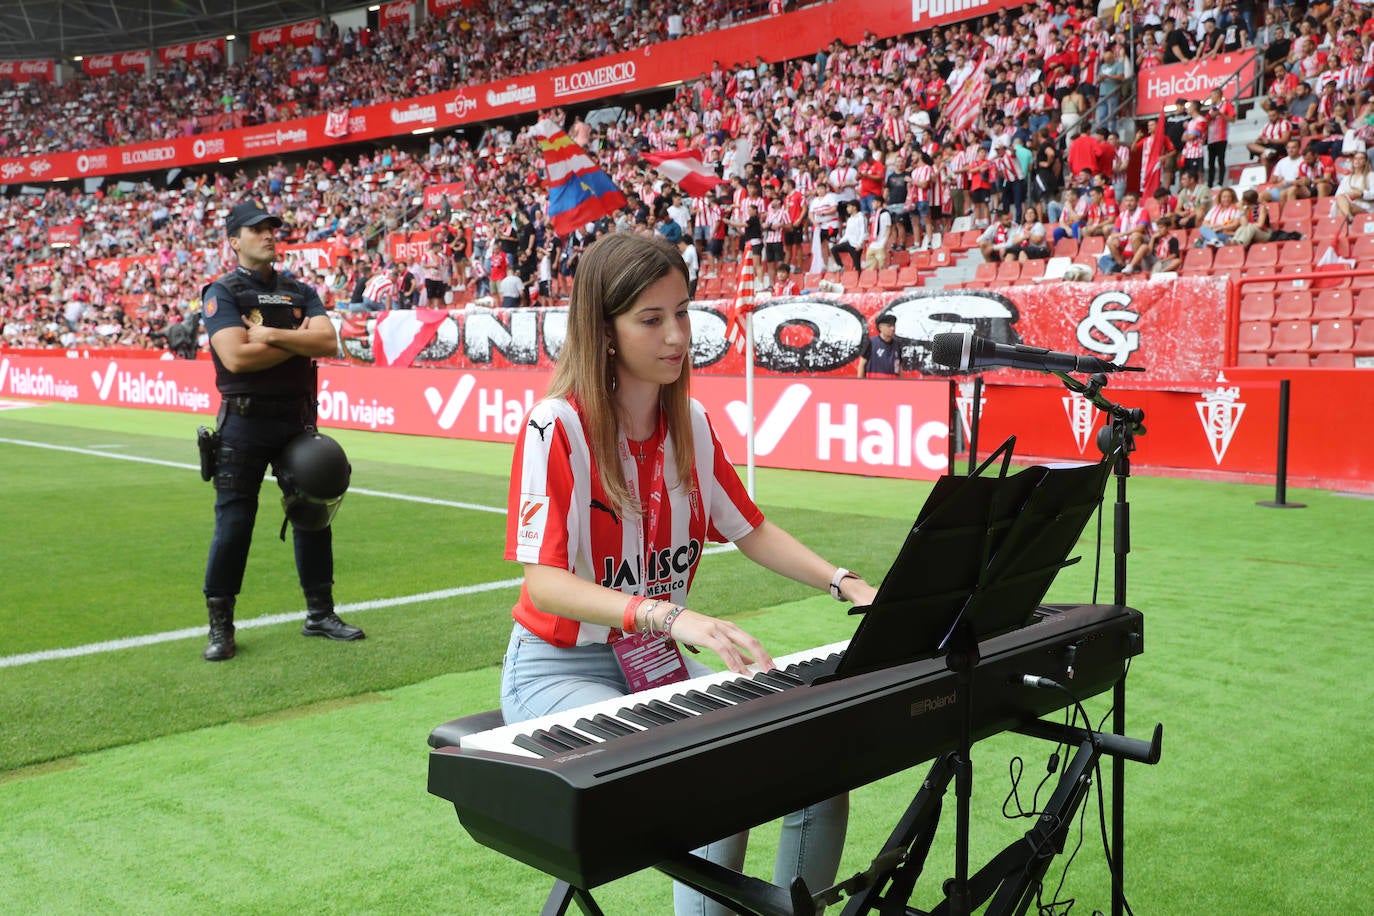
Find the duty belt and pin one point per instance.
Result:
(249, 406)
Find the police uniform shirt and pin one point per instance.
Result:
(241, 298)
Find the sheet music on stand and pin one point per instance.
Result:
(983, 552)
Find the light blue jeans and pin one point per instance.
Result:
(538, 679)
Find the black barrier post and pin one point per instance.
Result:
(1281, 483)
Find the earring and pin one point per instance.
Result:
(610, 351)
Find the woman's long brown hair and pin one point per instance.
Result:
(611, 275)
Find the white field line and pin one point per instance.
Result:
(114, 645)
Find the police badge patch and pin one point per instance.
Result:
(254, 317)
(211, 306)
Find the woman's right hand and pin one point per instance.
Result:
(735, 647)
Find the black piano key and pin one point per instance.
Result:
(702, 703)
(601, 731)
(549, 740)
(665, 709)
(780, 679)
(709, 701)
(613, 724)
(530, 744)
(638, 717)
(749, 687)
(761, 683)
(568, 736)
(728, 691)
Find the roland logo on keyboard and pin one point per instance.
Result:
(930, 704)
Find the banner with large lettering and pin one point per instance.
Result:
(64, 236)
(20, 72)
(123, 62)
(407, 246)
(888, 428)
(297, 35)
(1166, 84)
(789, 35)
(400, 12)
(1175, 330)
(435, 194)
(205, 49)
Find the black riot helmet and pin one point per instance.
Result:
(313, 473)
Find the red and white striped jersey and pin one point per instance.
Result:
(559, 516)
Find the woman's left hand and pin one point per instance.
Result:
(855, 589)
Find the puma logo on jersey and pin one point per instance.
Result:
(598, 504)
(541, 429)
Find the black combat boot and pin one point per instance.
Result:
(320, 619)
(221, 645)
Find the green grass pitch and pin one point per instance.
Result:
(136, 778)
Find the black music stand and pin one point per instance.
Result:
(977, 563)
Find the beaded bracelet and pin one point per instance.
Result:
(627, 620)
(670, 619)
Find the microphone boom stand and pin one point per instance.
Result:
(1117, 437)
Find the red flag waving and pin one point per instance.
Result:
(744, 299)
(685, 169)
(399, 336)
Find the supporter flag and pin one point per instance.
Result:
(685, 169)
(744, 300)
(1151, 170)
(354, 326)
(400, 335)
(962, 111)
(579, 192)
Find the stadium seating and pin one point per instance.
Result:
(1296, 255)
(1261, 257)
(1032, 270)
(1067, 247)
(1297, 209)
(1291, 337)
(1334, 360)
(1253, 359)
(888, 278)
(1334, 335)
(986, 272)
(1291, 359)
(1197, 261)
(1092, 245)
(1363, 344)
(1256, 336)
(1008, 272)
(1364, 305)
(1293, 305)
(1333, 303)
(1256, 306)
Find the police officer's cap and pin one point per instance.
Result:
(248, 213)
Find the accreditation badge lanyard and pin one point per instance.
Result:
(648, 660)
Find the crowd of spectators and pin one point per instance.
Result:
(842, 157)
(480, 42)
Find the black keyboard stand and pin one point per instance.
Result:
(1011, 879)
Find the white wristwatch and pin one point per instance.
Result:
(840, 575)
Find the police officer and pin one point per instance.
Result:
(265, 329)
(880, 355)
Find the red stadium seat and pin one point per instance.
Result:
(1256, 306)
(986, 272)
(1032, 270)
(899, 258)
(1008, 272)
(1253, 359)
(1255, 337)
(1293, 304)
(1362, 250)
(1334, 360)
(811, 281)
(1292, 337)
(1197, 261)
(887, 279)
(1335, 335)
(1092, 245)
(908, 276)
(1297, 209)
(1067, 247)
(1261, 257)
(1364, 305)
(1232, 258)
(1364, 339)
(1333, 303)
(868, 280)
(1291, 359)
(1297, 255)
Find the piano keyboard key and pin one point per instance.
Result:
(654, 708)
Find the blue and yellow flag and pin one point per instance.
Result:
(579, 192)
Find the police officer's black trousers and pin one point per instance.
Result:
(247, 446)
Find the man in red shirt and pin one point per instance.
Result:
(872, 173)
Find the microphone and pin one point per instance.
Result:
(968, 351)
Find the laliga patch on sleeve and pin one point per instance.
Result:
(534, 514)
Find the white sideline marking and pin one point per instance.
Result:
(427, 500)
(131, 642)
(266, 620)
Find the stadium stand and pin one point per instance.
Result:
(143, 250)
